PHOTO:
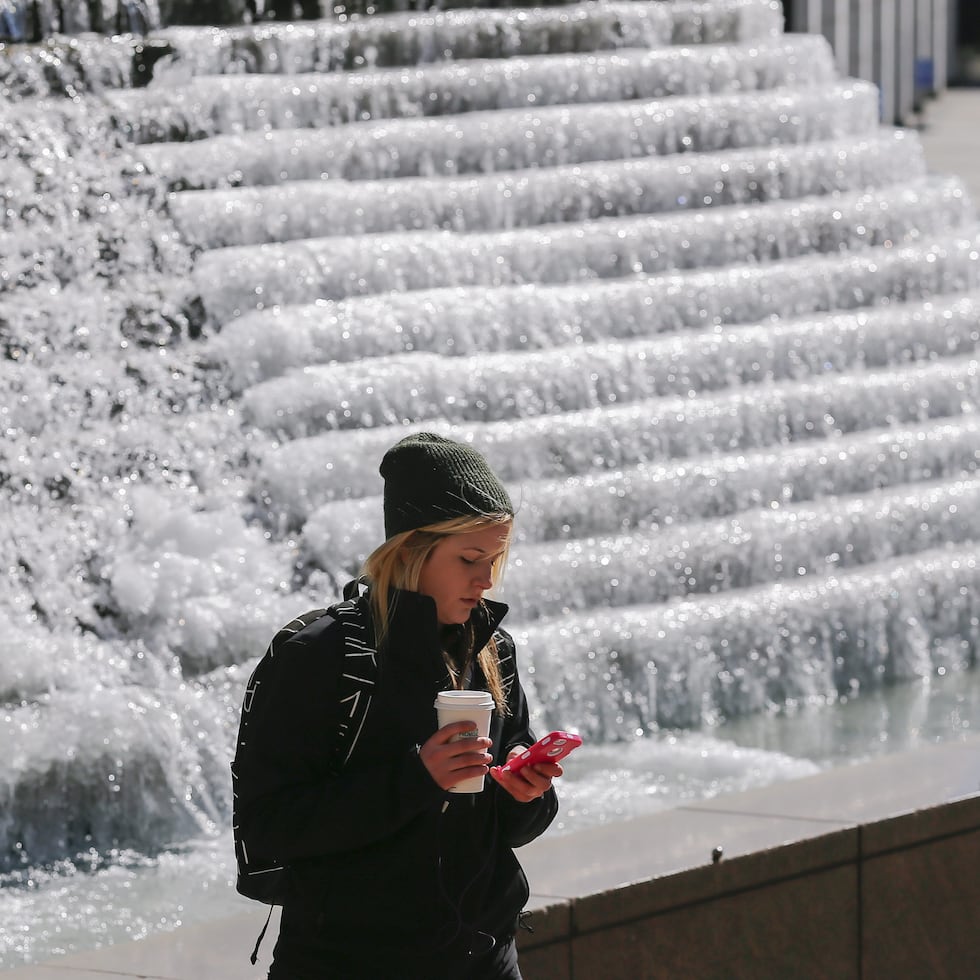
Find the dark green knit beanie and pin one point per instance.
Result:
(429, 478)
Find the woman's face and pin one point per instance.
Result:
(458, 571)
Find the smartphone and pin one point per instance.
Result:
(551, 748)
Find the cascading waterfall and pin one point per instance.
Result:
(263, 344)
(514, 138)
(714, 326)
(500, 386)
(234, 103)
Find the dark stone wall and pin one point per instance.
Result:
(33, 20)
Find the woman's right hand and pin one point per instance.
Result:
(451, 762)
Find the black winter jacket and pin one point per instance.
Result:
(380, 866)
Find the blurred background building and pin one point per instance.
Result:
(912, 49)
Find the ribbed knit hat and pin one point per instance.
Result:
(429, 478)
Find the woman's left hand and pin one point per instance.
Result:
(531, 782)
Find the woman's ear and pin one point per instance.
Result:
(404, 552)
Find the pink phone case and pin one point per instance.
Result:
(551, 748)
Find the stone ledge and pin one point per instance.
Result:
(643, 898)
(823, 876)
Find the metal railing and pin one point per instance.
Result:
(900, 45)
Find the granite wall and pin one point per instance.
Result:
(891, 898)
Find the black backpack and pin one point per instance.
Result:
(264, 878)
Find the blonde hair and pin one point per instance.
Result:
(398, 564)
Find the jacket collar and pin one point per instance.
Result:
(415, 630)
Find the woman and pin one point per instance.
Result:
(390, 874)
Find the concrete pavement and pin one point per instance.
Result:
(949, 127)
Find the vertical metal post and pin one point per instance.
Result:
(940, 44)
(905, 69)
(885, 58)
(841, 35)
(796, 21)
(952, 54)
(814, 16)
(864, 40)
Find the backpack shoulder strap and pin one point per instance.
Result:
(286, 633)
(293, 627)
(358, 676)
(353, 588)
(505, 658)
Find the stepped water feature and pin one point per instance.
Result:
(715, 327)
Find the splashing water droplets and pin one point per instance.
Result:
(713, 325)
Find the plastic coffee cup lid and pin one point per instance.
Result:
(464, 699)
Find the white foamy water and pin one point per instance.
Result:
(234, 280)
(554, 135)
(497, 387)
(224, 104)
(661, 495)
(714, 327)
(127, 895)
(620, 436)
(458, 321)
(521, 198)
(415, 37)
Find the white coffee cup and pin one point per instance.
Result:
(475, 706)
